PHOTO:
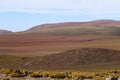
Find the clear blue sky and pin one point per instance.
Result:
(19, 15)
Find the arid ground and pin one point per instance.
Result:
(37, 45)
(44, 40)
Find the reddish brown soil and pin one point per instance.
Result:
(42, 45)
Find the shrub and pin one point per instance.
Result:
(89, 77)
(17, 75)
(58, 75)
(6, 71)
(79, 75)
(36, 74)
(6, 79)
(24, 71)
(67, 78)
(45, 74)
(99, 78)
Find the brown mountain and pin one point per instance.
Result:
(72, 58)
(91, 23)
(98, 27)
(111, 23)
(3, 32)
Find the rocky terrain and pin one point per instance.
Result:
(72, 58)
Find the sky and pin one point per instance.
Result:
(20, 15)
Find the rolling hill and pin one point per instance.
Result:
(98, 27)
(89, 44)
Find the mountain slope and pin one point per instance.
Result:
(2, 32)
(99, 27)
(111, 23)
(72, 58)
(78, 30)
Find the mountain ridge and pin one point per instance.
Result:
(89, 23)
(98, 27)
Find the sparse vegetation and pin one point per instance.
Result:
(88, 46)
(58, 75)
(45, 74)
(73, 75)
(6, 71)
(19, 73)
(36, 74)
(6, 79)
(67, 78)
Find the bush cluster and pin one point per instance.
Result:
(58, 75)
(36, 74)
(6, 71)
(19, 73)
(6, 79)
(46, 74)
